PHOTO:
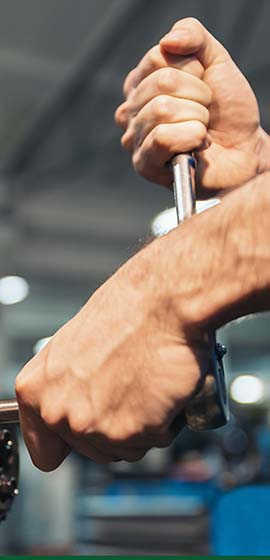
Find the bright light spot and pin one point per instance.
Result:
(13, 289)
(41, 343)
(247, 389)
(167, 220)
(164, 222)
(202, 205)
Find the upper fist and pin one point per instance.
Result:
(187, 94)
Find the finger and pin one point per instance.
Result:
(70, 415)
(189, 37)
(164, 82)
(162, 110)
(86, 447)
(178, 424)
(101, 450)
(130, 454)
(162, 143)
(165, 439)
(47, 449)
(135, 446)
(157, 58)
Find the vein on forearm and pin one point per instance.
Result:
(218, 263)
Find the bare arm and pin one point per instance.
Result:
(220, 260)
(112, 380)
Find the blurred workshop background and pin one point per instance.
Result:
(71, 211)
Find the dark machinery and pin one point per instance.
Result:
(9, 469)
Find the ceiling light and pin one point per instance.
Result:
(167, 220)
(40, 344)
(164, 222)
(13, 289)
(247, 389)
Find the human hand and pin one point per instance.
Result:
(112, 382)
(188, 94)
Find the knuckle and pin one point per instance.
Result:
(190, 23)
(118, 436)
(79, 424)
(205, 115)
(120, 115)
(159, 138)
(50, 417)
(128, 82)
(21, 385)
(199, 132)
(137, 162)
(160, 108)
(165, 80)
(154, 56)
(126, 142)
(121, 434)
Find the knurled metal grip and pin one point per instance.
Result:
(209, 408)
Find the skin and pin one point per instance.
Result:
(203, 103)
(111, 385)
(113, 381)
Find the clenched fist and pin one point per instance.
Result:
(112, 382)
(188, 94)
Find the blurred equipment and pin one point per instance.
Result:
(140, 517)
(9, 469)
(240, 522)
(209, 408)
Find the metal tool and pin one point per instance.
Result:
(9, 411)
(9, 457)
(209, 408)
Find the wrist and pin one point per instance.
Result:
(218, 263)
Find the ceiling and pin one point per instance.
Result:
(71, 207)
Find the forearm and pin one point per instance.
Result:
(216, 267)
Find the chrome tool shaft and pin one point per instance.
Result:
(209, 408)
(9, 411)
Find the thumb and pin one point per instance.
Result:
(189, 37)
(47, 449)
